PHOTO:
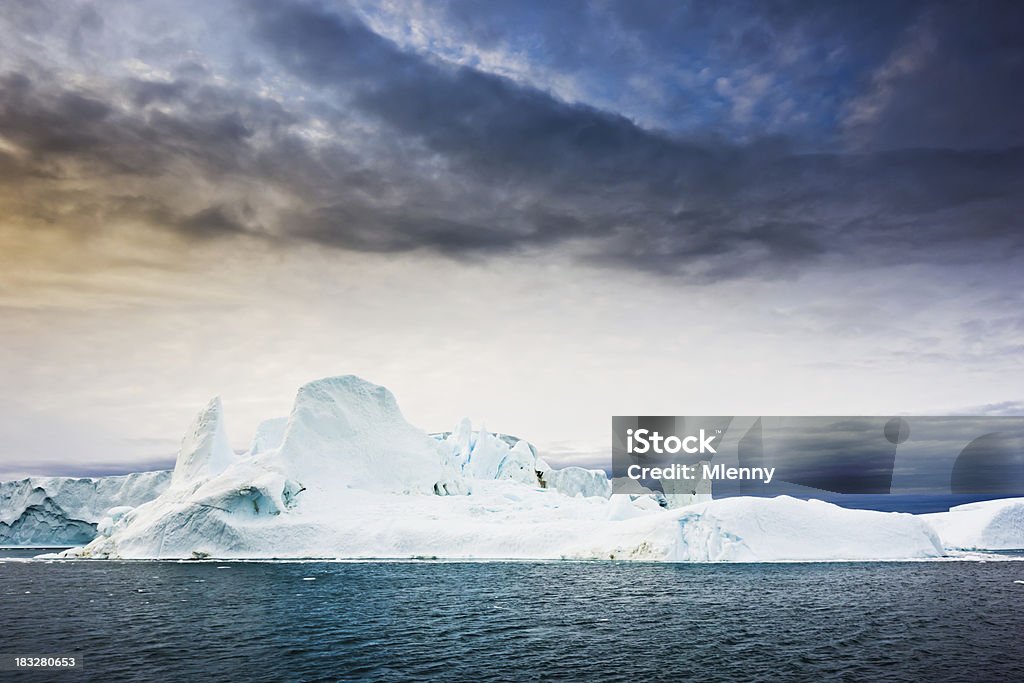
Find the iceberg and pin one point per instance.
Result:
(65, 511)
(205, 451)
(345, 432)
(577, 481)
(987, 525)
(346, 476)
(747, 529)
(483, 455)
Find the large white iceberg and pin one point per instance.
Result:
(345, 476)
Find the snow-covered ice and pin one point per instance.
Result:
(987, 525)
(205, 451)
(577, 481)
(269, 435)
(57, 511)
(345, 476)
(784, 528)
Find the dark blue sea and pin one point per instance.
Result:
(319, 621)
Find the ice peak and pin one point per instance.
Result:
(205, 451)
(352, 387)
(343, 405)
(352, 431)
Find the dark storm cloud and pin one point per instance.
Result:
(60, 127)
(413, 152)
(953, 82)
(662, 201)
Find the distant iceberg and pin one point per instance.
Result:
(346, 476)
(986, 525)
(63, 511)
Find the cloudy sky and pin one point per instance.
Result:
(535, 214)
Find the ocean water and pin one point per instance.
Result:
(314, 621)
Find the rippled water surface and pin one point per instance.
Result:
(166, 621)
